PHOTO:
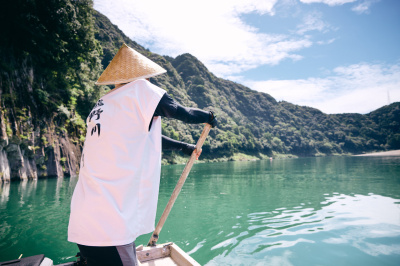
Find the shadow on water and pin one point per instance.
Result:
(307, 211)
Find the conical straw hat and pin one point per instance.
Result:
(128, 65)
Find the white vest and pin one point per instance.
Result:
(115, 199)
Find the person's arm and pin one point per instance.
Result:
(167, 107)
(170, 144)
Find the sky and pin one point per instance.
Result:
(339, 56)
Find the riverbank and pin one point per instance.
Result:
(383, 153)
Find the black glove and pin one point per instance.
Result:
(212, 120)
(188, 149)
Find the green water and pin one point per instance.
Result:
(308, 211)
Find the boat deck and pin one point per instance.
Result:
(164, 255)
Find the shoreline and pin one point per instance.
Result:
(383, 153)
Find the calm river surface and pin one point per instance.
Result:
(307, 211)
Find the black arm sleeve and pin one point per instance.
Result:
(167, 107)
(170, 144)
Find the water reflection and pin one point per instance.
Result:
(371, 218)
(26, 189)
(4, 194)
(368, 223)
(34, 218)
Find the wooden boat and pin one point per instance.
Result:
(164, 255)
(168, 254)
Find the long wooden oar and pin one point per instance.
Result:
(178, 187)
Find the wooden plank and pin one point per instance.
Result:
(181, 258)
(164, 255)
(151, 253)
(167, 261)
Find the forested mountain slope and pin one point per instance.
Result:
(52, 52)
(254, 123)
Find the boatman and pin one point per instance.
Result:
(115, 198)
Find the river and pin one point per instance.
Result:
(306, 211)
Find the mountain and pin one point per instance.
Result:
(254, 123)
(53, 52)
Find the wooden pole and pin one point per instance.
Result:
(178, 187)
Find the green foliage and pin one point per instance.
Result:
(51, 60)
(394, 141)
(53, 51)
(64, 111)
(44, 141)
(9, 130)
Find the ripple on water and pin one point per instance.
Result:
(348, 225)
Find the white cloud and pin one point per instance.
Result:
(256, 53)
(213, 31)
(364, 6)
(326, 42)
(313, 21)
(328, 2)
(358, 88)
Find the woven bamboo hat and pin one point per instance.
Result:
(128, 65)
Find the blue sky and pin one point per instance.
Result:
(338, 56)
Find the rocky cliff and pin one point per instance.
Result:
(48, 63)
(31, 145)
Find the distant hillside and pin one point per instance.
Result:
(252, 122)
(52, 53)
